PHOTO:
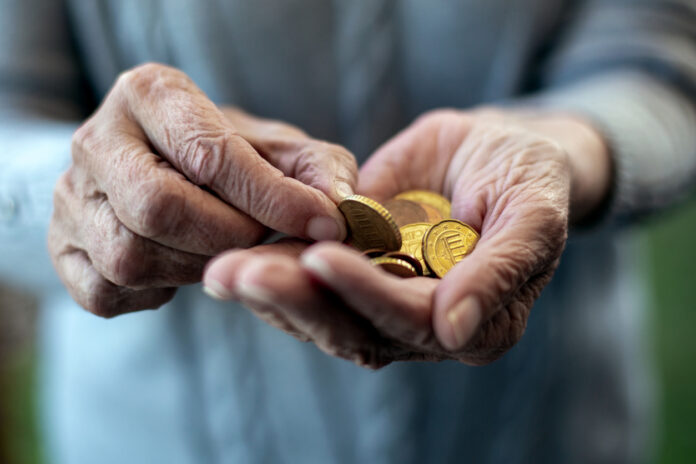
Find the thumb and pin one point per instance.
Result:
(502, 276)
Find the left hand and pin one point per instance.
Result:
(516, 178)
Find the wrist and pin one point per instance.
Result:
(588, 157)
(590, 163)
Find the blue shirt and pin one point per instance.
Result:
(202, 381)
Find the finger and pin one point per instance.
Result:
(85, 284)
(327, 167)
(193, 135)
(525, 249)
(99, 296)
(154, 200)
(118, 254)
(399, 308)
(279, 284)
(128, 260)
(221, 274)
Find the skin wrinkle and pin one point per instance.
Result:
(310, 320)
(131, 261)
(521, 190)
(159, 217)
(202, 158)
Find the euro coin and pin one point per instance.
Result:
(406, 211)
(426, 197)
(412, 260)
(395, 266)
(369, 224)
(412, 241)
(446, 243)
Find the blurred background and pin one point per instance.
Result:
(671, 251)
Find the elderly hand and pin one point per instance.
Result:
(162, 179)
(514, 177)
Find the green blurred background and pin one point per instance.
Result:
(671, 247)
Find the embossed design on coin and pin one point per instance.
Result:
(395, 266)
(446, 243)
(369, 224)
(427, 197)
(412, 241)
(406, 211)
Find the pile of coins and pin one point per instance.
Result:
(409, 235)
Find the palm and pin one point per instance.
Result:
(507, 183)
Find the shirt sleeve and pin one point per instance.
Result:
(630, 67)
(40, 107)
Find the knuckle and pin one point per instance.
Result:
(140, 75)
(156, 212)
(82, 140)
(125, 264)
(539, 150)
(204, 155)
(102, 300)
(150, 80)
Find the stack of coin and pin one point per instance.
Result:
(409, 235)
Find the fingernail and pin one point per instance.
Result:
(464, 320)
(342, 189)
(323, 228)
(216, 290)
(317, 265)
(254, 293)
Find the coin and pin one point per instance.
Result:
(412, 241)
(395, 266)
(373, 253)
(369, 224)
(406, 211)
(412, 260)
(446, 243)
(434, 216)
(427, 197)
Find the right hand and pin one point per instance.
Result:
(162, 180)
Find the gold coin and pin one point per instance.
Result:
(412, 260)
(373, 253)
(406, 211)
(434, 215)
(412, 236)
(427, 197)
(446, 243)
(369, 224)
(395, 266)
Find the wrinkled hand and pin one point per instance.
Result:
(162, 179)
(506, 177)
